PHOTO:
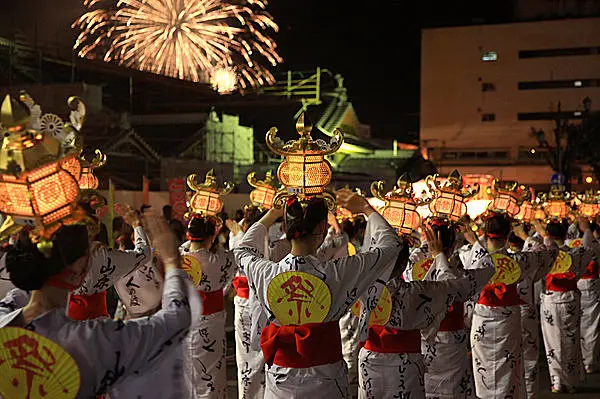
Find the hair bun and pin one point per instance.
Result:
(26, 267)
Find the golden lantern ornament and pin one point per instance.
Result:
(555, 202)
(304, 172)
(206, 200)
(88, 181)
(39, 173)
(264, 191)
(526, 212)
(400, 209)
(508, 197)
(449, 198)
(589, 204)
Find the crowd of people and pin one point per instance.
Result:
(328, 304)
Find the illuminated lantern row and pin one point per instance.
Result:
(304, 172)
(400, 209)
(38, 175)
(264, 191)
(206, 200)
(88, 181)
(508, 197)
(555, 203)
(589, 204)
(526, 212)
(449, 197)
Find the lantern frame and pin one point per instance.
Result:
(588, 207)
(508, 197)
(526, 212)
(304, 171)
(555, 203)
(264, 191)
(88, 181)
(400, 209)
(206, 200)
(449, 198)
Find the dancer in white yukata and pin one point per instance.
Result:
(560, 307)
(205, 346)
(496, 328)
(391, 363)
(303, 298)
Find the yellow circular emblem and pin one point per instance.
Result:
(297, 298)
(575, 243)
(380, 316)
(356, 308)
(192, 267)
(32, 366)
(351, 249)
(562, 264)
(507, 270)
(421, 268)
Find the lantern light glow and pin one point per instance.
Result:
(264, 191)
(206, 200)
(449, 198)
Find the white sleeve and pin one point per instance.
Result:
(536, 260)
(14, 299)
(334, 246)
(141, 342)
(235, 240)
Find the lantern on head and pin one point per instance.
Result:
(38, 172)
(400, 209)
(264, 190)
(206, 200)
(508, 197)
(304, 172)
(88, 181)
(449, 197)
(526, 212)
(555, 203)
(589, 204)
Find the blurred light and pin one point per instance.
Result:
(532, 151)
(589, 179)
(577, 113)
(477, 207)
(577, 83)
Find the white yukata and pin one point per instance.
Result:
(530, 333)
(119, 357)
(496, 327)
(416, 305)
(106, 268)
(141, 290)
(345, 278)
(560, 313)
(205, 346)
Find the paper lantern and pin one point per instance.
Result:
(484, 182)
(449, 197)
(539, 214)
(38, 180)
(556, 209)
(88, 181)
(400, 209)
(589, 204)
(264, 191)
(207, 197)
(526, 212)
(508, 197)
(305, 172)
(555, 203)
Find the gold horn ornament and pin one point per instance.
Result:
(448, 201)
(207, 196)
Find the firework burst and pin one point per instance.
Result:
(185, 39)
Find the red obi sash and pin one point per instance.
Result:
(592, 271)
(389, 340)
(304, 346)
(455, 318)
(561, 282)
(212, 302)
(240, 283)
(500, 294)
(88, 307)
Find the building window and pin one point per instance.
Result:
(488, 117)
(559, 52)
(559, 84)
(548, 116)
(489, 56)
(488, 87)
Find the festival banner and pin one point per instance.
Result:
(177, 197)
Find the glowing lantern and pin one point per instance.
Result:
(206, 200)
(449, 197)
(400, 209)
(589, 204)
(88, 181)
(508, 196)
(38, 179)
(264, 191)
(555, 205)
(526, 212)
(305, 172)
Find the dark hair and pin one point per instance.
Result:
(497, 227)
(118, 223)
(556, 230)
(515, 240)
(402, 259)
(348, 228)
(447, 234)
(102, 235)
(201, 227)
(239, 215)
(29, 268)
(167, 211)
(144, 208)
(302, 218)
(126, 240)
(252, 215)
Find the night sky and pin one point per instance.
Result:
(375, 45)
